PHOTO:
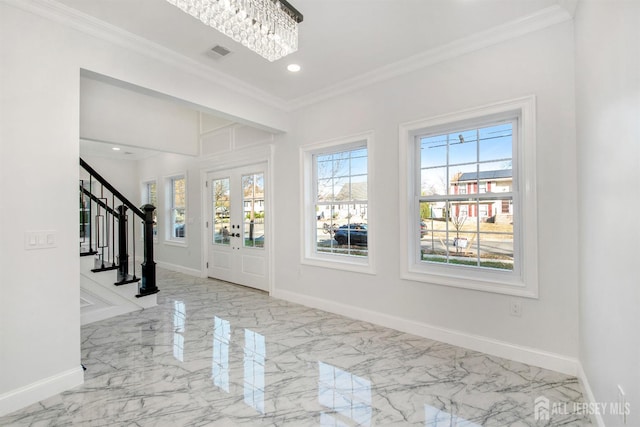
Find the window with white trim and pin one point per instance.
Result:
(336, 214)
(471, 212)
(150, 197)
(453, 165)
(177, 208)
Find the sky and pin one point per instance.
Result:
(442, 156)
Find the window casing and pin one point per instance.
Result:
(177, 187)
(336, 215)
(453, 165)
(484, 237)
(150, 197)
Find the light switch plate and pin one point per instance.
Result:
(42, 239)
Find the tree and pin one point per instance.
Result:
(458, 222)
(425, 210)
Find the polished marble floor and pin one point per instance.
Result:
(217, 354)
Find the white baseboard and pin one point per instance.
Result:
(40, 390)
(531, 356)
(589, 397)
(105, 313)
(179, 269)
(102, 285)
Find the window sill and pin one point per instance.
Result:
(338, 264)
(177, 243)
(506, 285)
(523, 281)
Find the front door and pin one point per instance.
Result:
(236, 226)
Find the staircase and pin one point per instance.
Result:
(110, 282)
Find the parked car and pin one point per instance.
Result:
(423, 229)
(354, 234)
(179, 230)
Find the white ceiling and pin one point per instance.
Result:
(105, 149)
(339, 39)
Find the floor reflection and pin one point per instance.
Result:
(179, 324)
(221, 341)
(346, 395)
(254, 360)
(154, 368)
(434, 417)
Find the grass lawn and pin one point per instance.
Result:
(502, 265)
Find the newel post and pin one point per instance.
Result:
(147, 285)
(123, 256)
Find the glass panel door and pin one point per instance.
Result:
(237, 230)
(253, 202)
(221, 197)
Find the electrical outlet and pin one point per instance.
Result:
(515, 308)
(622, 405)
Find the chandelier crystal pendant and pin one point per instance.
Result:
(268, 27)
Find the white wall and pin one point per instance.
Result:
(122, 174)
(115, 114)
(41, 62)
(229, 144)
(160, 167)
(608, 134)
(540, 64)
(39, 289)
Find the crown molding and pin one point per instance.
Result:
(570, 6)
(535, 22)
(89, 25)
(72, 18)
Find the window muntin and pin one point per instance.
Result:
(253, 202)
(324, 210)
(522, 280)
(341, 202)
(221, 198)
(461, 170)
(178, 208)
(150, 197)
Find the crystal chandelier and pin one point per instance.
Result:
(268, 27)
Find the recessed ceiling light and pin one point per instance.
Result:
(294, 68)
(116, 149)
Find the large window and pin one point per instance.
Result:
(150, 197)
(466, 226)
(337, 225)
(471, 216)
(177, 208)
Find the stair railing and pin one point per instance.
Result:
(110, 227)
